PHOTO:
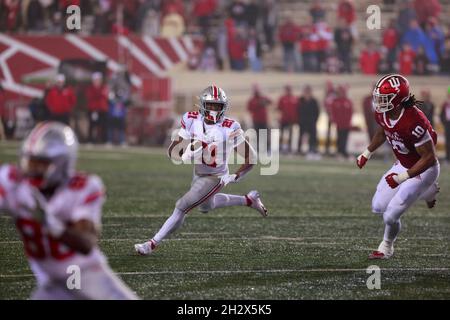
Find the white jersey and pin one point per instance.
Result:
(218, 140)
(80, 199)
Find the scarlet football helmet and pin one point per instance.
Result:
(213, 95)
(389, 92)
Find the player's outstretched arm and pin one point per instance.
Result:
(249, 156)
(427, 159)
(378, 139)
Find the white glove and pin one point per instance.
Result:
(228, 178)
(363, 158)
(189, 154)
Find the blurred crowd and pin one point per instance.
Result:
(104, 104)
(239, 33)
(303, 112)
(415, 42)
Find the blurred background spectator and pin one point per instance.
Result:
(97, 102)
(287, 107)
(427, 106)
(60, 100)
(308, 114)
(445, 119)
(341, 115)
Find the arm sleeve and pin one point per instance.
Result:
(425, 138)
(237, 134)
(186, 123)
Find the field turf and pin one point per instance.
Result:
(314, 244)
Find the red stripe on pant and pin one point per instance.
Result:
(214, 190)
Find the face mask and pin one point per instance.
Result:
(212, 116)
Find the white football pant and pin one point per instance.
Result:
(392, 203)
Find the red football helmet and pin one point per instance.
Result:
(389, 92)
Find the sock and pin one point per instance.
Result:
(391, 231)
(221, 200)
(172, 223)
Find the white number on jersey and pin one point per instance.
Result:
(418, 131)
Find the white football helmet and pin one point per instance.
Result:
(48, 155)
(213, 95)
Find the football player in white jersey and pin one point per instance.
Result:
(210, 138)
(57, 213)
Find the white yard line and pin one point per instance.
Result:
(268, 238)
(168, 272)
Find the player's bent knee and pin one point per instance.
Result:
(183, 204)
(378, 207)
(389, 219)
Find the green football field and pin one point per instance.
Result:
(314, 244)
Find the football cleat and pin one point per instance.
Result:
(385, 251)
(254, 201)
(145, 248)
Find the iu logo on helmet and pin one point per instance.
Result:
(395, 83)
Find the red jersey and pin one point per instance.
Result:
(411, 130)
(288, 108)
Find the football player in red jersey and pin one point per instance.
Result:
(415, 173)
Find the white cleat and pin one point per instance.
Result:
(385, 251)
(145, 248)
(256, 202)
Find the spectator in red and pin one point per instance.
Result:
(308, 44)
(287, 106)
(9, 14)
(427, 9)
(390, 42)
(257, 106)
(369, 59)
(237, 48)
(341, 115)
(346, 11)
(60, 100)
(97, 103)
(203, 11)
(406, 60)
(289, 35)
(324, 36)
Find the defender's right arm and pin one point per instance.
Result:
(378, 139)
